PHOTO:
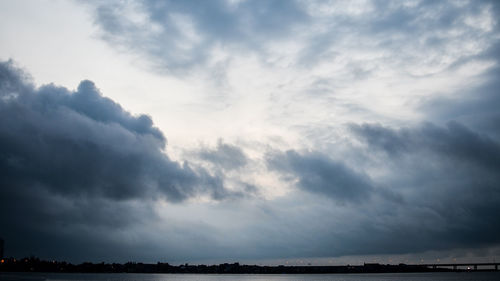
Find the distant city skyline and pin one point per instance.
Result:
(252, 131)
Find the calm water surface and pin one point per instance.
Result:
(449, 276)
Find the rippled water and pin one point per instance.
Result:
(449, 276)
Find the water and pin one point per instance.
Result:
(445, 276)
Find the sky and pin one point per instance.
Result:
(267, 132)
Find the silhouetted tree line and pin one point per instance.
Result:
(33, 264)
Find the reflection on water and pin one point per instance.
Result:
(448, 276)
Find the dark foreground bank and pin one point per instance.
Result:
(425, 276)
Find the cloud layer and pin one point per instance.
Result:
(349, 128)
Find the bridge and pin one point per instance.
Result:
(468, 266)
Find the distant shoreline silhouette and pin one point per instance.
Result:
(34, 264)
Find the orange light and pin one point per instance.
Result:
(2, 261)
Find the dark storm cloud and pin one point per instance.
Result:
(455, 142)
(178, 35)
(435, 188)
(449, 178)
(225, 156)
(85, 144)
(74, 160)
(319, 174)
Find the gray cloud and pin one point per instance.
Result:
(476, 106)
(78, 159)
(320, 174)
(454, 142)
(178, 36)
(83, 143)
(449, 179)
(225, 156)
(435, 188)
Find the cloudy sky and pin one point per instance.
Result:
(323, 132)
